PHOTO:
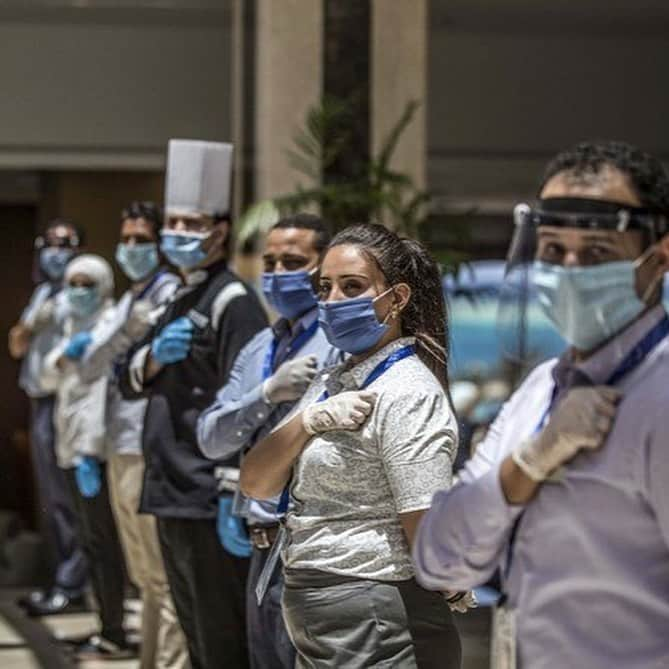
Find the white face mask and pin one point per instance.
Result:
(589, 305)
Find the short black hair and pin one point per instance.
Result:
(67, 223)
(323, 234)
(149, 211)
(646, 173)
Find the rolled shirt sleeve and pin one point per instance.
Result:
(38, 299)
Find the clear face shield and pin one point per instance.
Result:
(571, 275)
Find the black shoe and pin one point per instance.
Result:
(32, 598)
(99, 648)
(57, 602)
(73, 642)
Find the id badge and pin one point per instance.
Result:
(270, 565)
(503, 648)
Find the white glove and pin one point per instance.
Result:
(346, 411)
(461, 602)
(290, 381)
(582, 420)
(139, 320)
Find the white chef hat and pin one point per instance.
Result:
(198, 177)
(95, 267)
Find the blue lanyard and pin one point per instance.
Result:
(378, 371)
(150, 285)
(295, 345)
(381, 368)
(629, 363)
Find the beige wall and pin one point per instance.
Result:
(288, 82)
(511, 83)
(96, 88)
(399, 75)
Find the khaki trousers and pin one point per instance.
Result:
(163, 641)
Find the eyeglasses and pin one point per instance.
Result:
(190, 223)
(70, 242)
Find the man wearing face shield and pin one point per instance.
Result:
(567, 495)
(270, 374)
(36, 333)
(179, 365)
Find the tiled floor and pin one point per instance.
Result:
(33, 644)
(29, 644)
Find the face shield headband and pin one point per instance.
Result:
(582, 213)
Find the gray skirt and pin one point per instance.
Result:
(353, 623)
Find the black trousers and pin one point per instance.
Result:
(57, 511)
(269, 644)
(99, 539)
(208, 586)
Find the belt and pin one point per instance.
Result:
(263, 537)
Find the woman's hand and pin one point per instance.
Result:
(346, 411)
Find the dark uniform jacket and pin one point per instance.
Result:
(179, 481)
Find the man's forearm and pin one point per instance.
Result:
(152, 369)
(517, 486)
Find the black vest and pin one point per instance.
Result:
(179, 481)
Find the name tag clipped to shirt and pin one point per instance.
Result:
(503, 647)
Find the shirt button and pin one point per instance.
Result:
(261, 414)
(239, 433)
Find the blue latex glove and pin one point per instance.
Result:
(77, 346)
(89, 477)
(174, 341)
(231, 530)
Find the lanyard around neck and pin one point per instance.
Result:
(295, 345)
(151, 284)
(381, 368)
(377, 372)
(628, 364)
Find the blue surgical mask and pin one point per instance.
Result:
(290, 294)
(183, 249)
(84, 301)
(588, 305)
(137, 260)
(352, 325)
(53, 260)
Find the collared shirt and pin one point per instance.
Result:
(589, 576)
(349, 487)
(124, 419)
(241, 415)
(45, 315)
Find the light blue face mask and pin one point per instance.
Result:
(183, 249)
(53, 260)
(290, 294)
(352, 325)
(588, 305)
(84, 301)
(137, 260)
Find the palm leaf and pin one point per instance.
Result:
(390, 144)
